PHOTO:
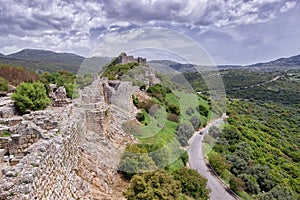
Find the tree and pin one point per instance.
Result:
(215, 132)
(192, 184)
(183, 134)
(236, 184)
(250, 183)
(159, 185)
(238, 165)
(278, 193)
(263, 177)
(30, 96)
(160, 157)
(135, 160)
(196, 123)
(218, 163)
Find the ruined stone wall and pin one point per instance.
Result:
(124, 59)
(69, 155)
(54, 178)
(122, 97)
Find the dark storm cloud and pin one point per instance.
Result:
(32, 15)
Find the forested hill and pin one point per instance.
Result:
(42, 60)
(47, 56)
(281, 63)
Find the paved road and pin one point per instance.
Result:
(197, 162)
(259, 84)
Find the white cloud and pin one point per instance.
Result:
(288, 5)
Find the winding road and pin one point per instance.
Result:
(197, 162)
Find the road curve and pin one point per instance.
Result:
(197, 162)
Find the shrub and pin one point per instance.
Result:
(154, 185)
(215, 132)
(251, 185)
(135, 160)
(192, 184)
(173, 109)
(189, 111)
(218, 163)
(3, 85)
(195, 121)
(17, 75)
(145, 104)
(184, 157)
(5, 134)
(173, 117)
(183, 134)
(140, 116)
(30, 96)
(202, 110)
(135, 100)
(236, 184)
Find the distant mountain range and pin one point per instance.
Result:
(279, 64)
(43, 60)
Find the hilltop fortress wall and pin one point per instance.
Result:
(77, 147)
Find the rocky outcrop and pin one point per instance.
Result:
(7, 108)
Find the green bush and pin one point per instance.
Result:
(202, 110)
(30, 96)
(154, 185)
(3, 85)
(236, 184)
(173, 109)
(140, 116)
(184, 157)
(196, 123)
(183, 134)
(218, 163)
(5, 134)
(192, 184)
(135, 160)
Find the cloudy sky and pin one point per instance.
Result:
(230, 31)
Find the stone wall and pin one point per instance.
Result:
(54, 178)
(97, 118)
(66, 153)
